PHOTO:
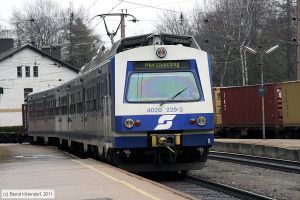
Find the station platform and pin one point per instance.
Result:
(286, 149)
(28, 167)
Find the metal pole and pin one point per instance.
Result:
(122, 25)
(262, 97)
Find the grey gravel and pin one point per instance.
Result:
(272, 183)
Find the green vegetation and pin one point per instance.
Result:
(10, 134)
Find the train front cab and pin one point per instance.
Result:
(164, 115)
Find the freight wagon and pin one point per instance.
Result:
(291, 108)
(217, 109)
(241, 110)
(238, 110)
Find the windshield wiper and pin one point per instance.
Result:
(173, 97)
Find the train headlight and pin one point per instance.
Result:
(201, 121)
(161, 52)
(129, 123)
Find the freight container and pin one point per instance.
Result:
(217, 106)
(290, 102)
(242, 107)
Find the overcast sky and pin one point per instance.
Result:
(148, 16)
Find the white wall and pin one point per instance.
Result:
(13, 97)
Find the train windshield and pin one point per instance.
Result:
(162, 87)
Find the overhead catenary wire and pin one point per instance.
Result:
(94, 3)
(162, 4)
(150, 6)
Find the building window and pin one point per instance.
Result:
(35, 71)
(27, 71)
(19, 71)
(27, 91)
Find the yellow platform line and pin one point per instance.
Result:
(118, 180)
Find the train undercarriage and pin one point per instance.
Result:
(162, 158)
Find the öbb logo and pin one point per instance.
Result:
(165, 122)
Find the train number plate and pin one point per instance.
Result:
(165, 110)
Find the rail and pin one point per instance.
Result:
(226, 189)
(263, 162)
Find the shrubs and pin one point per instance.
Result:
(10, 134)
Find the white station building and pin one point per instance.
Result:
(27, 69)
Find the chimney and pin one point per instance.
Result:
(54, 51)
(6, 44)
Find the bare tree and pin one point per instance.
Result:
(44, 23)
(225, 27)
(39, 23)
(174, 23)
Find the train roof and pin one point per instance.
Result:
(139, 41)
(126, 44)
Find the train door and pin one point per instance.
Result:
(99, 117)
(103, 105)
(77, 121)
(59, 104)
(71, 114)
(65, 113)
(106, 109)
(83, 113)
(57, 115)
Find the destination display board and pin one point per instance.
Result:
(161, 65)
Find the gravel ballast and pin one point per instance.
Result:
(272, 183)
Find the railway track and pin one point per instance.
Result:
(225, 189)
(203, 189)
(263, 162)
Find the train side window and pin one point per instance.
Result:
(78, 102)
(50, 108)
(105, 88)
(87, 98)
(56, 106)
(47, 107)
(72, 103)
(64, 105)
(102, 96)
(30, 111)
(98, 97)
(60, 104)
(94, 98)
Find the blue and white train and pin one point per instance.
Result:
(144, 105)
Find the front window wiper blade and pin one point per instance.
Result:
(173, 97)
